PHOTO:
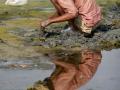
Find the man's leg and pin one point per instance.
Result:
(58, 8)
(61, 12)
(89, 31)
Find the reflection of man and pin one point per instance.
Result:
(67, 10)
(73, 76)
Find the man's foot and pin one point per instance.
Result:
(88, 35)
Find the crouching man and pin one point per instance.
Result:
(87, 11)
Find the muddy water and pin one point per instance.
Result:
(20, 79)
(108, 74)
(106, 78)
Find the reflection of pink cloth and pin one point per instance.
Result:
(73, 78)
(88, 10)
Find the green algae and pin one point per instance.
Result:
(107, 3)
(7, 12)
(23, 22)
(109, 45)
(106, 45)
(117, 44)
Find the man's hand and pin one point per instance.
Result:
(45, 23)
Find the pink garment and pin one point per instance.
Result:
(73, 78)
(88, 10)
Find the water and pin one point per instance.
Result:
(20, 79)
(106, 78)
(108, 75)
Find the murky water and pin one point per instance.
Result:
(106, 78)
(20, 79)
(108, 75)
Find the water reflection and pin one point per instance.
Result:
(73, 70)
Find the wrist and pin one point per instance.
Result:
(50, 21)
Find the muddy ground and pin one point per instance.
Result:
(21, 38)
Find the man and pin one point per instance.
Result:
(88, 12)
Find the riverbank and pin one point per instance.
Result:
(19, 31)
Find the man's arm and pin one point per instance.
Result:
(65, 65)
(57, 18)
(70, 10)
(65, 17)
